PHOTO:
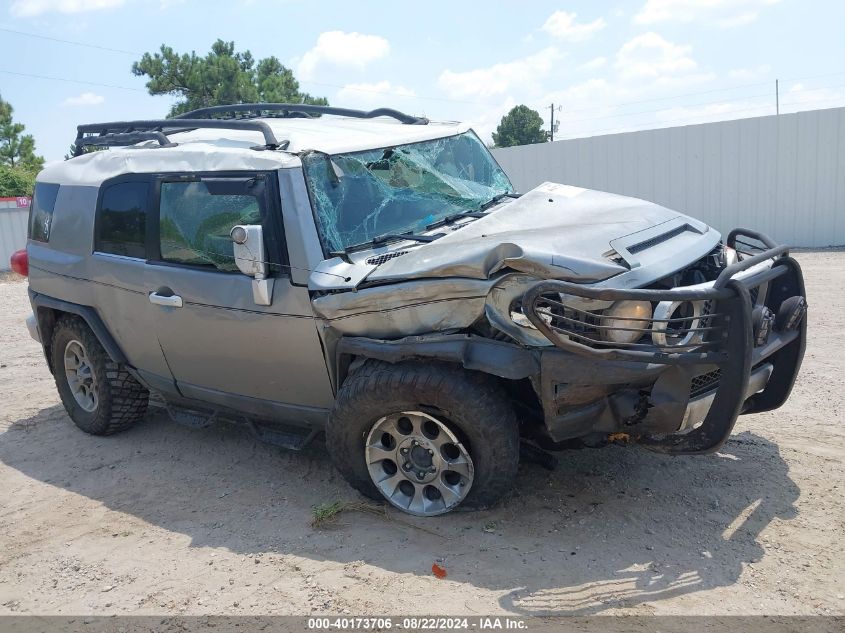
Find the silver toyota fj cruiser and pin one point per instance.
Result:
(375, 276)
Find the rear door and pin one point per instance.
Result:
(219, 345)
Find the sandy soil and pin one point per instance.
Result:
(165, 519)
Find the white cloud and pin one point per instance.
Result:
(371, 94)
(562, 25)
(692, 115)
(349, 50)
(724, 13)
(486, 121)
(32, 8)
(650, 57)
(799, 97)
(500, 78)
(594, 64)
(85, 99)
(746, 74)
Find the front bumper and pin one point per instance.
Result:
(660, 394)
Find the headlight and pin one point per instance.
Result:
(677, 333)
(625, 321)
(730, 255)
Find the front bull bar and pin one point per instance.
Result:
(734, 353)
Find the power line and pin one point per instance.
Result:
(71, 81)
(85, 44)
(702, 92)
(693, 105)
(314, 83)
(621, 130)
(418, 97)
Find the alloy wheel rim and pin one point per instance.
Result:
(80, 376)
(418, 463)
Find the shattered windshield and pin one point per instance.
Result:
(361, 195)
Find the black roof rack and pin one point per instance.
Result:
(120, 138)
(118, 133)
(299, 110)
(121, 133)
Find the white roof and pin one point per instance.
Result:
(230, 150)
(333, 134)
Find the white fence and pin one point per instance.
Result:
(13, 219)
(783, 175)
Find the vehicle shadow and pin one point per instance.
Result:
(612, 528)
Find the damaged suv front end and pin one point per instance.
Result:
(605, 316)
(720, 348)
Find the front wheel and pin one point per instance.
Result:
(426, 437)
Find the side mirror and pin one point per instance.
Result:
(248, 240)
(251, 259)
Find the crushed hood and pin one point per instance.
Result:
(554, 231)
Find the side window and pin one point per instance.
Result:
(41, 211)
(122, 219)
(196, 217)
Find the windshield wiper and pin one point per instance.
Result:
(453, 217)
(382, 239)
(498, 198)
(392, 237)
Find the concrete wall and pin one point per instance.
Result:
(14, 213)
(783, 175)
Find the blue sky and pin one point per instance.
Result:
(612, 66)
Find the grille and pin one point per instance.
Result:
(380, 259)
(704, 383)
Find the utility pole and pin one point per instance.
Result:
(777, 98)
(552, 128)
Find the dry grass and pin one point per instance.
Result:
(327, 513)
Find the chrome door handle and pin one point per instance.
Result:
(173, 301)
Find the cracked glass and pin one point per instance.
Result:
(361, 195)
(195, 224)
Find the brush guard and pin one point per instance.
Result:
(728, 336)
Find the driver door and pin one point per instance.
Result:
(220, 346)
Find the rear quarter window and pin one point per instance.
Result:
(122, 219)
(41, 211)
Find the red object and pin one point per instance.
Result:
(438, 571)
(20, 262)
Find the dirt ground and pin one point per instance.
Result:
(164, 519)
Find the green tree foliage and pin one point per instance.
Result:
(520, 126)
(87, 150)
(222, 77)
(16, 181)
(17, 149)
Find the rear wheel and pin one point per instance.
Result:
(426, 437)
(100, 396)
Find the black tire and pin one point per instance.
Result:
(121, 400)
(470, 402)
